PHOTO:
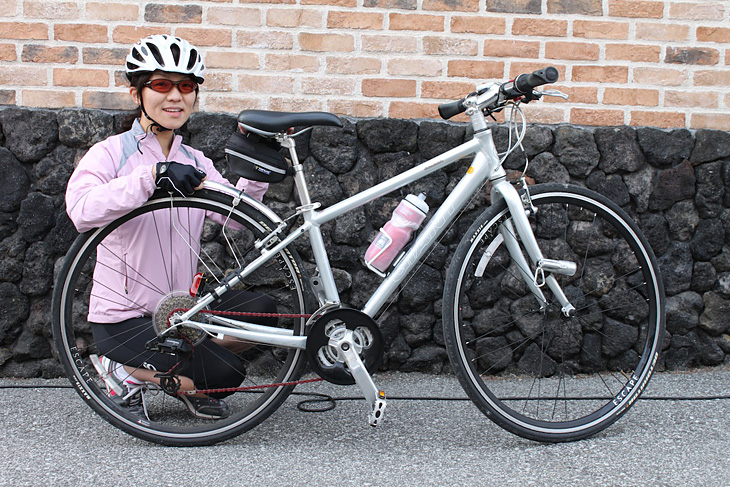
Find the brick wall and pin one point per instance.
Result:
(635, 62)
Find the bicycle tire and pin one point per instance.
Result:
(169, 422)
(540, 374)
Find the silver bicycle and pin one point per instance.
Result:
(553, 313)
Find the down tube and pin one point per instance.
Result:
(446, 213)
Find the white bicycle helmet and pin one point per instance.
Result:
(165, 53)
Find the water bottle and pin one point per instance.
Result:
(407, 217)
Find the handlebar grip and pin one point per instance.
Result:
(451, 109)
(525, 83)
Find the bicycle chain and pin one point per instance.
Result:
(246, 388)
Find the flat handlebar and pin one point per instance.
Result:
(522, 85)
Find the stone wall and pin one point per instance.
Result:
(672, 182)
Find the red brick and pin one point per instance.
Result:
(411, 110)
(23, 30)
(392, 4)
(23, 76)
(539, 113)
(660, 76)
(596, 116)
(592, 29)
(174, 14)
(326, 42)
(292, 62)
(201, 36)
(296, 104)
(717, 121)
(231, 60)
(636, 9)
(713, 34)
(80, 77)
(53, 10)
(389, 87)
(685, 99)
(128, 34)
(80, 33)
(633, 52)
(692, 55)
(110, 100)
(572, 50)
(476, 69)
(229, 103)
(353, 65)
(662, 32)
(478, 24)
(662, 119)
(511, 48)
(112, 11)
(631, 96)
(7, 97)
(7, 52)
(336, 3)
(236, 16)
(354, 20)
(601, 74)
(452, 5)
(389, 43)
(539, 27)
(433, 23)
(427, 67)
(515, 6)
(50, 54)
(218, 82)
(48, 98)
(293, 18)
(696, 11)
(355, 108)
(580, 7)
(717, 77)
(263, 83)
(446, 90)
(101, 55)
(328, 86)
(265, 40)
(452, 46)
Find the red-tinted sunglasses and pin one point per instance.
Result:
(165, 85)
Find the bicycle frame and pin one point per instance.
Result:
(486, 165)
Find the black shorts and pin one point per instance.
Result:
(211, 365)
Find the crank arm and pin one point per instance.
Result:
(374, 397)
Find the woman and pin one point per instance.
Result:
(120, 174)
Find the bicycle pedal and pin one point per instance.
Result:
(378, 411)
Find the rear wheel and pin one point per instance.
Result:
(226, 239)
(536, 372)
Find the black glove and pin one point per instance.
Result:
(173, 176)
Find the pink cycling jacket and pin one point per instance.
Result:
(114, 178)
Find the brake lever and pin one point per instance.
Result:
(557, 93)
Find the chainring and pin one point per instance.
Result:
(326, 360)
(163, 313)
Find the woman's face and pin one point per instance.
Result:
(171, 109)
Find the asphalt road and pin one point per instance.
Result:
(48, 437)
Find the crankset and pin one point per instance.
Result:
(328, 360)
(344, 346)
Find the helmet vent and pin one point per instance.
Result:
(194, 56)
(156, 53)
(175, 50)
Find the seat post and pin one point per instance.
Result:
(299, 180)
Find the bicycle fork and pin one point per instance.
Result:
(519, 225)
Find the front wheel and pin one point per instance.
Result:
(140, 269)
(533, 370)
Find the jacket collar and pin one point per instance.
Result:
(148, 140)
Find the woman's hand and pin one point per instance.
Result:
(173, 176)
